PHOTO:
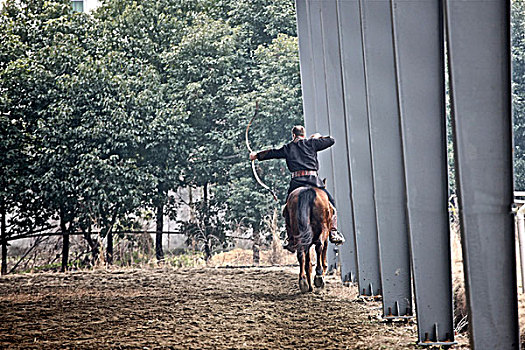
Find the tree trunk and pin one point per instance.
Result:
(277, 249)
(65, 242)
(207, 251)
(3, 238)
(207, 247)
(109, 236)
(109, 248)
(158, 237)
(255, 248)
(192, 212)
(93, 245)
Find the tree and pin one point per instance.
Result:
(31, 30)
(107, 114)
(189, 56)
(518, 93)
(278, 91)
(74, 108)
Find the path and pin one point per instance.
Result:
(189, 309)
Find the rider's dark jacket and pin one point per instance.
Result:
(300, 154)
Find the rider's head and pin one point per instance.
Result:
(298, 132)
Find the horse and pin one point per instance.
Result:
(308, 214)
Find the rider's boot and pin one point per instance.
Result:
(289, 246)
(335, 236)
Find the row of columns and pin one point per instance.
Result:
(373, 77)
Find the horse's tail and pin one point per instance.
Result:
(304, 210)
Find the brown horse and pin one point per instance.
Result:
(308, 214)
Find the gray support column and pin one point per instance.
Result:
(320, 111)
(306, 64)
(313, 85)
(387, 158)
(337, 126)
(478, 34)
(366, 241)
(321, 101)
(419, 46)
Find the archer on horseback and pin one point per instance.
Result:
(301, 160)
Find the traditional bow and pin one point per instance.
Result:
(251, 151)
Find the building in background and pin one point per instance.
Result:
(78, 5)
(84, 5)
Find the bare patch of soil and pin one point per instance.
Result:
(207, 308)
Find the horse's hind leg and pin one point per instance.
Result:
(308, 266)
(323, 255)
(320, 268)
(303, 283)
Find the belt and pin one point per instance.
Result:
(304, 173)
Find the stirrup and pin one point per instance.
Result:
(336, 237)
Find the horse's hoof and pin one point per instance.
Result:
(303, 285)
(319, 281)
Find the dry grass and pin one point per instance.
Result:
(244, 257)
(460, 298)
(521, 297)
(458, 284)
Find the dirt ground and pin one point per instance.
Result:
(204, 308)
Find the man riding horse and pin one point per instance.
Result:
(301, 159)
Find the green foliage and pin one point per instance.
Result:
(105, 115)
(44, 42)
(518, 86)
(277, 88)
(185, 260)
(263, 20)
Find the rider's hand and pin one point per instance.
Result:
(316, 136)
(253, 156)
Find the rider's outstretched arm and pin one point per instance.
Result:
(321, 143)
(274, 153)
